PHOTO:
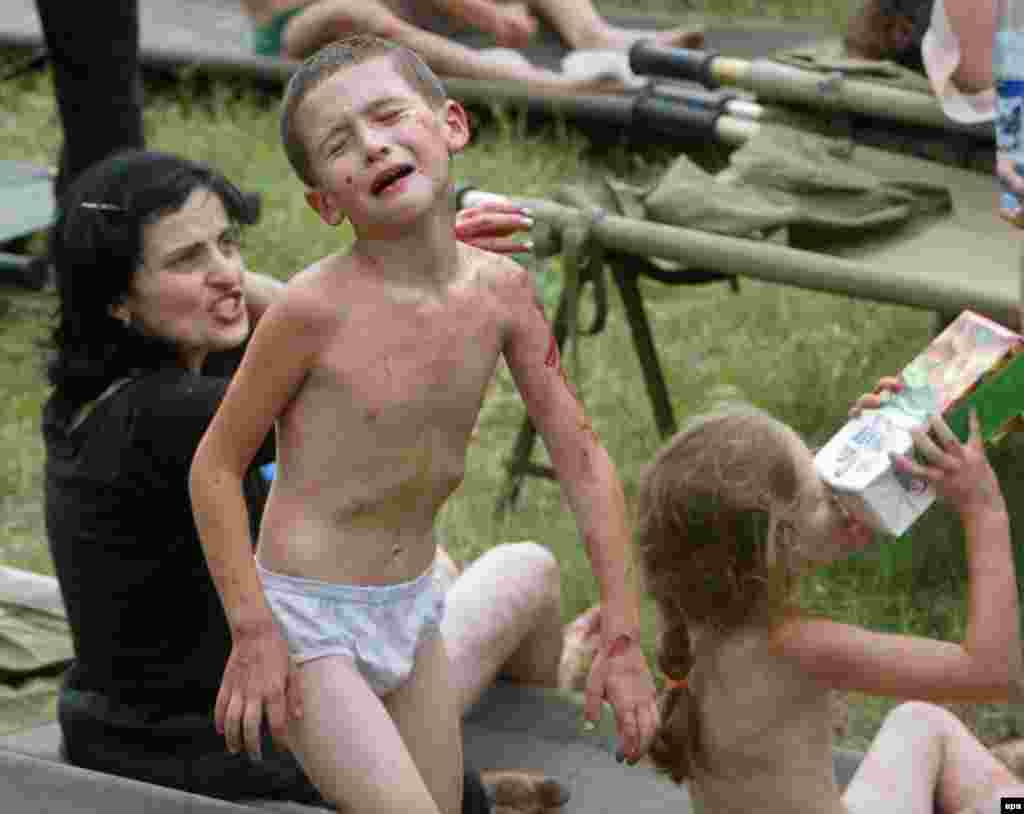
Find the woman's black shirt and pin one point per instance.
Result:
(146, 619)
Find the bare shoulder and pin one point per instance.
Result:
(314, 297)
(509, 280)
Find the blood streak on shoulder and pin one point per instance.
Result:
(552, 358)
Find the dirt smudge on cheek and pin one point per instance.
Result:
(619, 646)
(368, 263)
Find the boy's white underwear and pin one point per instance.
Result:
(378, 626)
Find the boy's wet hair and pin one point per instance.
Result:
(330, 59)
(96, 247)
(715, 532)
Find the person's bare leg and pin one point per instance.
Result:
(581, 640)
(582, 26)
(327, 20)
(351, 748)
(523, 581)
(503, 616)
(924, 760)
(425, 710)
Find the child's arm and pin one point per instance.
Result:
(277, 359)
(620, 671)
(986, 665)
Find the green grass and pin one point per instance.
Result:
(802, 355)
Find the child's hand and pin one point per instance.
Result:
(960, 473)
(493, 224)
(874, 399)
(258, 679)
(514, 25)
(620, 674)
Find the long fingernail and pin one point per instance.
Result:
(528, 245)
(527, 212)
(528, 222)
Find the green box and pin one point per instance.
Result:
(999, 399)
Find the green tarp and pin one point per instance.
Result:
(781, 177)
(35, 647)
(828, 56)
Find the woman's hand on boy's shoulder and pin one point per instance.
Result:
(496, 225)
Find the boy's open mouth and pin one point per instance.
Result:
(390, 176)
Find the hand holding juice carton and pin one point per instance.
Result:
(973, 362)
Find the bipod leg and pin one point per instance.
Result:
(643, 341)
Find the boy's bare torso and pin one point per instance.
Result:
(765, 729)
(375, 439)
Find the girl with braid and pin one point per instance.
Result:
(731, 513)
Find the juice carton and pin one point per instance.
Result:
(973, 362)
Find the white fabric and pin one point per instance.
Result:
(940, 51)
(592, 65)
(30, 590)
(505, 56)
